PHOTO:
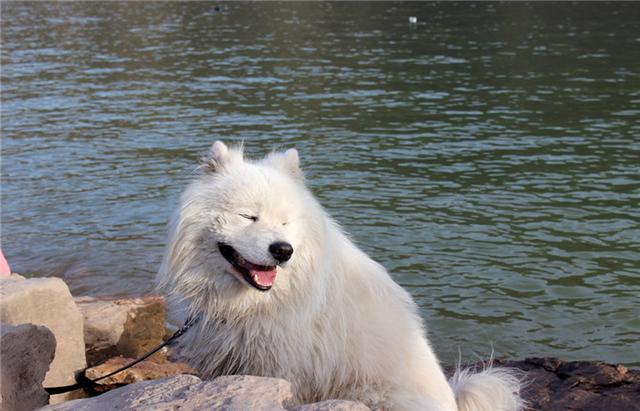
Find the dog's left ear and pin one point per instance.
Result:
(287, 162)
(221, 158)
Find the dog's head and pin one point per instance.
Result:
(242, 228)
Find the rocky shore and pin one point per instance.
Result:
(48, 336)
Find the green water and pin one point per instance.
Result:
(488, 156)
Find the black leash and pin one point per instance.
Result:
(83, 382)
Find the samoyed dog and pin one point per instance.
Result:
(283, 292)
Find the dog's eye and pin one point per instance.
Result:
(249, 217)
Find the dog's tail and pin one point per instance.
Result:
(491, 389)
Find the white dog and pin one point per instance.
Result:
(284, 293)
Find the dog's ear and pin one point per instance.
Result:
(287, 162)
(221, 158)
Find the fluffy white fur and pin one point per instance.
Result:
(334, 323)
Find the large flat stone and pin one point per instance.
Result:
(187, 392)
(333, 405)
(141, 396)
(26, 351)
(128, 327)
(48, 302)
(243, 392)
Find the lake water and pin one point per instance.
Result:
(488, 155)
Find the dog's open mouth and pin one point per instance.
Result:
(261, 277)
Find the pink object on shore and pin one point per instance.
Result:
(5, 270)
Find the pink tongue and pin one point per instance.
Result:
(265, 278)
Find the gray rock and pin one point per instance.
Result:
(145, 395)
(26, 351)
(48, 302)
(333, 405)
(187, 392)
(129, 327)
(243, 392)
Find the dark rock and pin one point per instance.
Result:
(26, 351)
(556, 385)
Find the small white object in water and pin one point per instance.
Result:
(413, 20)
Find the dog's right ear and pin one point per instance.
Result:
(221, 158)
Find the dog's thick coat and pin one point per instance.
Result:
(333, 323)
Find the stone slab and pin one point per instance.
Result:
(187, 392)
(332, 405)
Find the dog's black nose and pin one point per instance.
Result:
(281, 251)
